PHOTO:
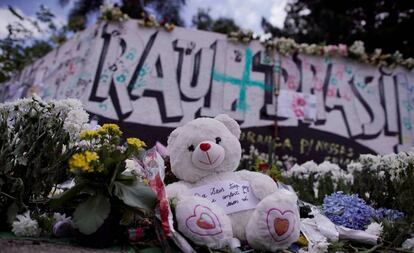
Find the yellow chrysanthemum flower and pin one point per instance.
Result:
(78, 162)
(82, 161)
(136, 143)
(91, 156)
(89, 134)
(112, 129)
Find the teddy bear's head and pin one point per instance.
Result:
(204, 146)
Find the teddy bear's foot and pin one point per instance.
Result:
(205, 223)
(275, 223)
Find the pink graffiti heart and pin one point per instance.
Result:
(299, 112)
(280, 224)
(203, 222)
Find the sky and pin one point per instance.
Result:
(246, 13)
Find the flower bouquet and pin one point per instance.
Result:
(106, 195)
(36, 140)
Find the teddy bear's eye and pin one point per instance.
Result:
(218, 140)
(191, 148)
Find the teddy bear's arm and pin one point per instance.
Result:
(177, 190)
(262, 185)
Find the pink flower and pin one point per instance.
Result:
(343, 49)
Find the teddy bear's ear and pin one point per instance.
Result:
(230, 123)
(173, 136)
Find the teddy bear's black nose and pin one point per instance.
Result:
(205, 146)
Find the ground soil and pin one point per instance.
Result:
(25, 246)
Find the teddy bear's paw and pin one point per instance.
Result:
(203, 222)
(275, 223)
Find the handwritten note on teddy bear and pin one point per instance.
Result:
(230, 195)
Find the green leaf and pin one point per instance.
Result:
(67, 195)
(136, 195)
(91, 214)
(126, 179)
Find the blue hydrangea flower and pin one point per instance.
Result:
(389, 214)
(348, 210)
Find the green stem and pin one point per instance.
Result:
(373, 249)
(111, 184)
(7, 195)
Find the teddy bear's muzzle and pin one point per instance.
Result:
(208, 155)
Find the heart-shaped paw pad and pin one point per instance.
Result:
(203, 222)
(281, 226)
(280, 223)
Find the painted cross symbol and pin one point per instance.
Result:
(244, 82)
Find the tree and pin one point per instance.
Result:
(165, 11)
(21, 47)
(203, 21)
(385, 24)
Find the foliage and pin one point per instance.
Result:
(101, 184)
(268, 163)
(396, 232)
(386, 181)
(36, 144)
(164, 11)
(287, 46)
(380, 24)
(21, 47)
(312, 181)
(151, 21)
(202, 20)
(383, 181)
(112, 13)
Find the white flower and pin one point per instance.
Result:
(408, 244)
(67, 184)
(316, 188)
(25, 226)
(390, 161)
(357, 48)
(61, 217)
(54, 192)
(63, 148)
(369, 159)
(133, 168)
(310, 166)
(74, 116)
(317, 247)
(354, 166)
(374, 229)
(410, 157)
(66, 105)
(265, 37)
(75, 122)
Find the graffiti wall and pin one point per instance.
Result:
(151, 81)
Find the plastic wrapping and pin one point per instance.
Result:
(154, 170)
(319, 229)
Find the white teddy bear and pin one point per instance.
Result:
(218, 207)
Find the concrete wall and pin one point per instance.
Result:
(158, 80)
